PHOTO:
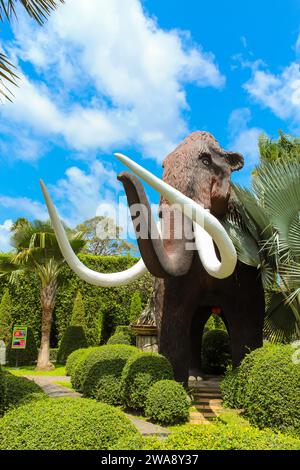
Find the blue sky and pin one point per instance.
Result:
(136, 77)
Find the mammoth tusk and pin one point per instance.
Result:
(208, 224)
(88, 275)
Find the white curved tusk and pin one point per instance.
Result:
(86, 274)
(200, 217)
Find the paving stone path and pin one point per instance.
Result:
(207, 400)
(53, 390)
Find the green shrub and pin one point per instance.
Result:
(167, 403)
(226, 437)
(140, 372)
(119, 338)
(78, 317)
(216, 351)
(2, 392)
(135, 307)
(229, 388)
(19, 390)
(78, 369)
(6, 319)
(64, 424)
(74, 338)
(72, 360)
(102, 372)
(26, 357)
(53, 354)
(215, 322)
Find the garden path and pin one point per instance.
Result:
(207, 400)
(53, 390)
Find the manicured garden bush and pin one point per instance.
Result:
(78, 369)
(72, 360)
(167, 403)
(140, 372)
(216, 351)
(6, 319)
(135, 307)
(268, 388)
(74, 338)
(19, 390)
(53, 354)
(64, 424)
(102, 372)
(119, 338)
(27, 356)
(2, 392)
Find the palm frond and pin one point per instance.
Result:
(280, 322)
(7, 74)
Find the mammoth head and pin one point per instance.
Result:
(196, 181)
(201, 169)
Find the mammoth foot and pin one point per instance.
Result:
(195, 374)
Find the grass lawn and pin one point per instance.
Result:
(30, 370)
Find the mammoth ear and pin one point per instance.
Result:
(235, 160)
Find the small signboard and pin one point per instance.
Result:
(19, 337)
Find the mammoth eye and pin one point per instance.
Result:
(206, 159)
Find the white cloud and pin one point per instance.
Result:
(127, 74)
(244, 139)
(5, 235)
(30, 208)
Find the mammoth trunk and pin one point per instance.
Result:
(48, 294)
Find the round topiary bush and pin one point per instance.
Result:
(102, 372)
(74, 338)
(19, 390)
(64, 424)
(78, 369)
(216, 351)
(272, 393)
(119, 338)
(140, 372)
(167, 403)
(72, 360)
(27, 356)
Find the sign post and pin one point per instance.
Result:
(19, 339)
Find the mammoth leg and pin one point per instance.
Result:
(245, 314)
(197, 328)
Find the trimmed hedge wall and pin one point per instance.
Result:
(64, 424)
(106, 307)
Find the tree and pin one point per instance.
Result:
(37, 250)
(6, 319)
(78, 317)
(103, 237)
(135, 307)
(39, 10)
(285, 148)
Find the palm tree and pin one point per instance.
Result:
(37, 251)
(39, 10)
(266, 234)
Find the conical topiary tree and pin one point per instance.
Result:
(6, 319)
(78, 317)
(74, 338)
(135, 307)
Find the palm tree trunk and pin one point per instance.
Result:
(48, 294)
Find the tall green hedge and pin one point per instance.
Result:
(106, 308)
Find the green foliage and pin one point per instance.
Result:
(286, 148)
(223, 437)
(78, 317)
(25, 356)
(102, 372)
(216, 351)
(6, 319)
(78, 369)
(72, 360)
(267, 386)
(105, 308)
(64, 424)
(2, 392)
(135, 307)
(119, 338)
(215, 322)
(167, 403)
(74, 338)
(18, 391)
(141, 371)
(53, 354)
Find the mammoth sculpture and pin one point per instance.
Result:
(195, 266)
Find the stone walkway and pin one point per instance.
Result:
(53, 390)
(207, 398)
